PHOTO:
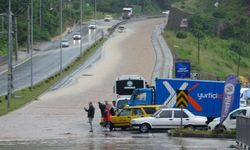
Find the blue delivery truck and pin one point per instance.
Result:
(204, 97)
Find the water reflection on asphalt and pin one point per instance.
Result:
(120, 140)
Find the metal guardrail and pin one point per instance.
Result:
(243, 132)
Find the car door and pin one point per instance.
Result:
(230, 122)
(163, 120)
(176, 122)
(123, 118)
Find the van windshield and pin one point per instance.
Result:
(122, 103)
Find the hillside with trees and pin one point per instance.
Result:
(47, 17)
(222, 29)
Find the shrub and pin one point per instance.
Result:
(181, 35)
(218, 14)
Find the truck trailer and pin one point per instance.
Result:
(204, 97)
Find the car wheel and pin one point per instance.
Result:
(220, 128)
(144, 128)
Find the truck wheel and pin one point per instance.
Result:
(144, 128)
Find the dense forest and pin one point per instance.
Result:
(46, 16)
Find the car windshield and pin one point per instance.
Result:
(64, 40)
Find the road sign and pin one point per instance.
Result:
(182, 69)
(182, 99)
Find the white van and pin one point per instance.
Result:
(244, 97)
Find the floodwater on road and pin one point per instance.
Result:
(56, 120)
(121, 140)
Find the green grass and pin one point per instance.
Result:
(22, 97)
(215, 57)
(202, 133)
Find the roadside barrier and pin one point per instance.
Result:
(243, 132)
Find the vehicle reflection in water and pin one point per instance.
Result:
(76, 42)
(91, 34)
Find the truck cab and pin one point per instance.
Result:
(127, 13)
(142, 96)
(126, 84)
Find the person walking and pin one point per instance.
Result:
(107, 117)
(113, 108)
(91, 113)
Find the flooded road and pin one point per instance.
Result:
(57, 119)
(121, 140)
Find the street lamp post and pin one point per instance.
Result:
(31, 45)
(81, 27)
(61, 36)
(95, 21)
(10, 48)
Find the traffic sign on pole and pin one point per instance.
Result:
(182, 99)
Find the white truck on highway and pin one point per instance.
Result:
(124, 87)
(127, 13)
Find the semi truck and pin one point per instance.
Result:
(204, 97)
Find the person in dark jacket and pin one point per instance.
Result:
(91, 113)
(102, 109)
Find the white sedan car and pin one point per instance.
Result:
(167, 118)
(65, 43)
(230, 121)
(92, 26)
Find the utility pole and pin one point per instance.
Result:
(95, 30)
(28, 28)
(31, 45)
(61, 36)
(16, 42)
(40, 14)
(10, 49)
(238, 66)
(198, 50)
(81, 27)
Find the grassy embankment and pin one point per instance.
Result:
(216, 59)
(27, 95)
(215, 56)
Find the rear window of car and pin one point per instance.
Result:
(149, 110)
(177, 114)
(166, 114)
(137, 111)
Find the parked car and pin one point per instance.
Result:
(108, 18)
(123, 118)
(167, 118)
(92, 26)
(65, 43)
(230, 121)
(77, 36)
